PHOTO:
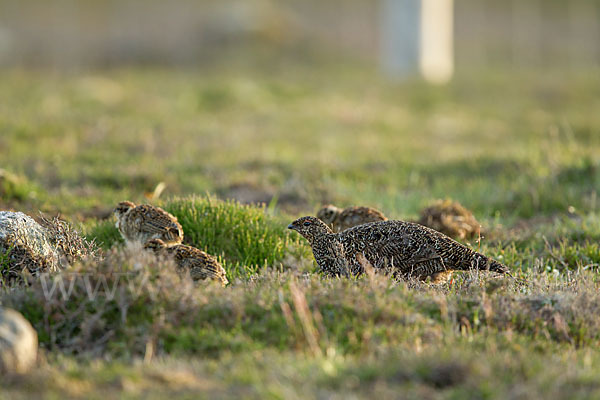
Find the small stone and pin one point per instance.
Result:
(18, 343)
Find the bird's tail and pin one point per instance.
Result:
(500, 268)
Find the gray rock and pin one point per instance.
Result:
(26, 245)
(18, 343)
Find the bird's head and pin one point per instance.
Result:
(123, 207)
(328, 214)
(310, 227)
(155, 245)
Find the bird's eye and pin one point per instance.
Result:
(306, 223)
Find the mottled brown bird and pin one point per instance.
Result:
(401, 249)
(341, 219)
(200, 264)
(450, 218)
(145, 222)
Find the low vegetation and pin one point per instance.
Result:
(519, 152)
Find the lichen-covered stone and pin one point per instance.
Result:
(25, 246)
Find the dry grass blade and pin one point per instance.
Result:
(306, 319)
(68, 241)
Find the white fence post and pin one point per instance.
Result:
(437, 40)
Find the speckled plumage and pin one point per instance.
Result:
(200, 264)
(341, 219)
(145, 222)
(450, 218)
(401, 249)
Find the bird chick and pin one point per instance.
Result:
(401, 249)
(450, 218)
(341, 219)
(187, 258)
(145, 222)
(328, 214)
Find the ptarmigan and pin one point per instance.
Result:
(450, 218)
(200, 264)
(145, 222)
(341, 219)
(402, 249)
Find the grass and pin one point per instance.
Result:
(520, 151)
(500, 145)
(245, 237)
(17, 189)
(366, 335)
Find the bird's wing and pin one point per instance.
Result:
(396, 246)
(200, 264)
(406, 249)
(156, 220)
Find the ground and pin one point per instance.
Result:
(520, 150)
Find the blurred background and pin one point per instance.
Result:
(485, 33)
(390, 103)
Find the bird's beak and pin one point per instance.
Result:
(291, 226)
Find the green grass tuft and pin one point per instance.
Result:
(103, 233)
(16, 188)
(244, 235)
